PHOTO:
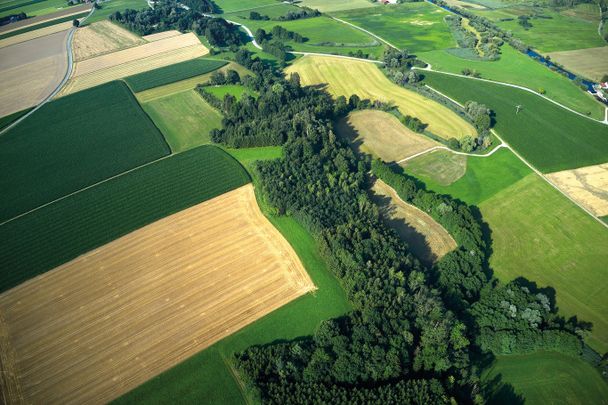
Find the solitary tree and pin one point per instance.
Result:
(76, 23)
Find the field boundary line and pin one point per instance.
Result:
(86, 188)
(337, 56)
(455, 152)
(364, 30)
(68, 73)
(235, 375)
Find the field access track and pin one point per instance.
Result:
(108, 321)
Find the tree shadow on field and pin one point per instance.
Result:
(495, 390)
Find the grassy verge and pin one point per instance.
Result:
(548, 136)
(207, 377)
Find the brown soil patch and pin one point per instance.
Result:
(591, 62)
(133, 54)
(100, 38)
(161, 35)
(427, 239)
(586, 185)
(130, 68)
(381, 134)
(44, 18)
(102, 324)
(28, 36)
(30, 71)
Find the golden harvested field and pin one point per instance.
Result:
(133, 54)
(161, 35)
(427, 239)
(591, 63)
(104, 323)
(100, 38)
(44, 18)
(381, 134)
(586, 185)
(344, 77)
(39, 33)
(30, 71)
(138, 66)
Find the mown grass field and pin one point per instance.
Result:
(235, 90)
(509, 69)
(31, 8)
(74, 142)
(229, 6)
(323, 34)
(544, 378)
(61, 231)
(112, 6)
(439, 167)
(548, 136)
(185, 119)
(337, 5)
(172, 73)
(208, 376)
(417, 27)
(343, 77)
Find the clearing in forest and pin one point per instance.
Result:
(343, 77)
(381, 134)
(586, 185)
(108, 321)
(100, 38)
(426, 238)
(591, 62)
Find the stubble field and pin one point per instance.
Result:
(591, 62)
(101, 38)
(586, 185)
(343, 77)
(161, 304)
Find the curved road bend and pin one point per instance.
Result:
(68, 73)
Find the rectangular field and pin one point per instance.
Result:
(72, 226)
(103, 324)
(591, 62)
(172, 73)
(73, 142)
(343, 77)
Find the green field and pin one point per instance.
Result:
(323, 34)
(229, 6)
(74, 142)
(337, 5)
(9, 119)
(31, 8)
(111, 6)
(235, 90)
(173, 73)
(417, 27)
(549, 137)
(544, 378)
(61, 231)
(207, 376)
(510, 68)
(185, 119)
(43, 25)
(564, 30)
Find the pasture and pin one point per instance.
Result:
(586, 185)
(544, 378)
(439, 166)
(381, 134)
(31, 8)
(509, 69)
(74, 142)
(426, 238)
(68, 228)
(342, 77)
(31, 21)
(549, 137)
(235, 90)
(208, 376)
(113, 6)
(591, 62)
(163, 306)
(30, 71)
(538, 234)
(172, 73)
(417, 27)
(101, 38)
(231, 6)
(337, 5)
(185, 119)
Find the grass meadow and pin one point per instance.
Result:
(42, 25)
(172, 73)
(185, 119)
(549, 137)
(337, 5)
(235, 90)
(74, 142)
(544, 378)
(112, 6)
(230, 6)
(208, 376)
(417, 27)
(59, 232)
(509, 69)
(32, 8)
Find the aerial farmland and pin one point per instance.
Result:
(298, 202)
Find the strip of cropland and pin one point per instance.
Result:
(590, 62)
(65, 229)
(100, 38)
(164, 300)
(381, 134)
(31, 7)
(61, 14)
(343, 77)
(172, 73)
(30, 35)
(42, 25)
(548, 136)
(74, 142)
